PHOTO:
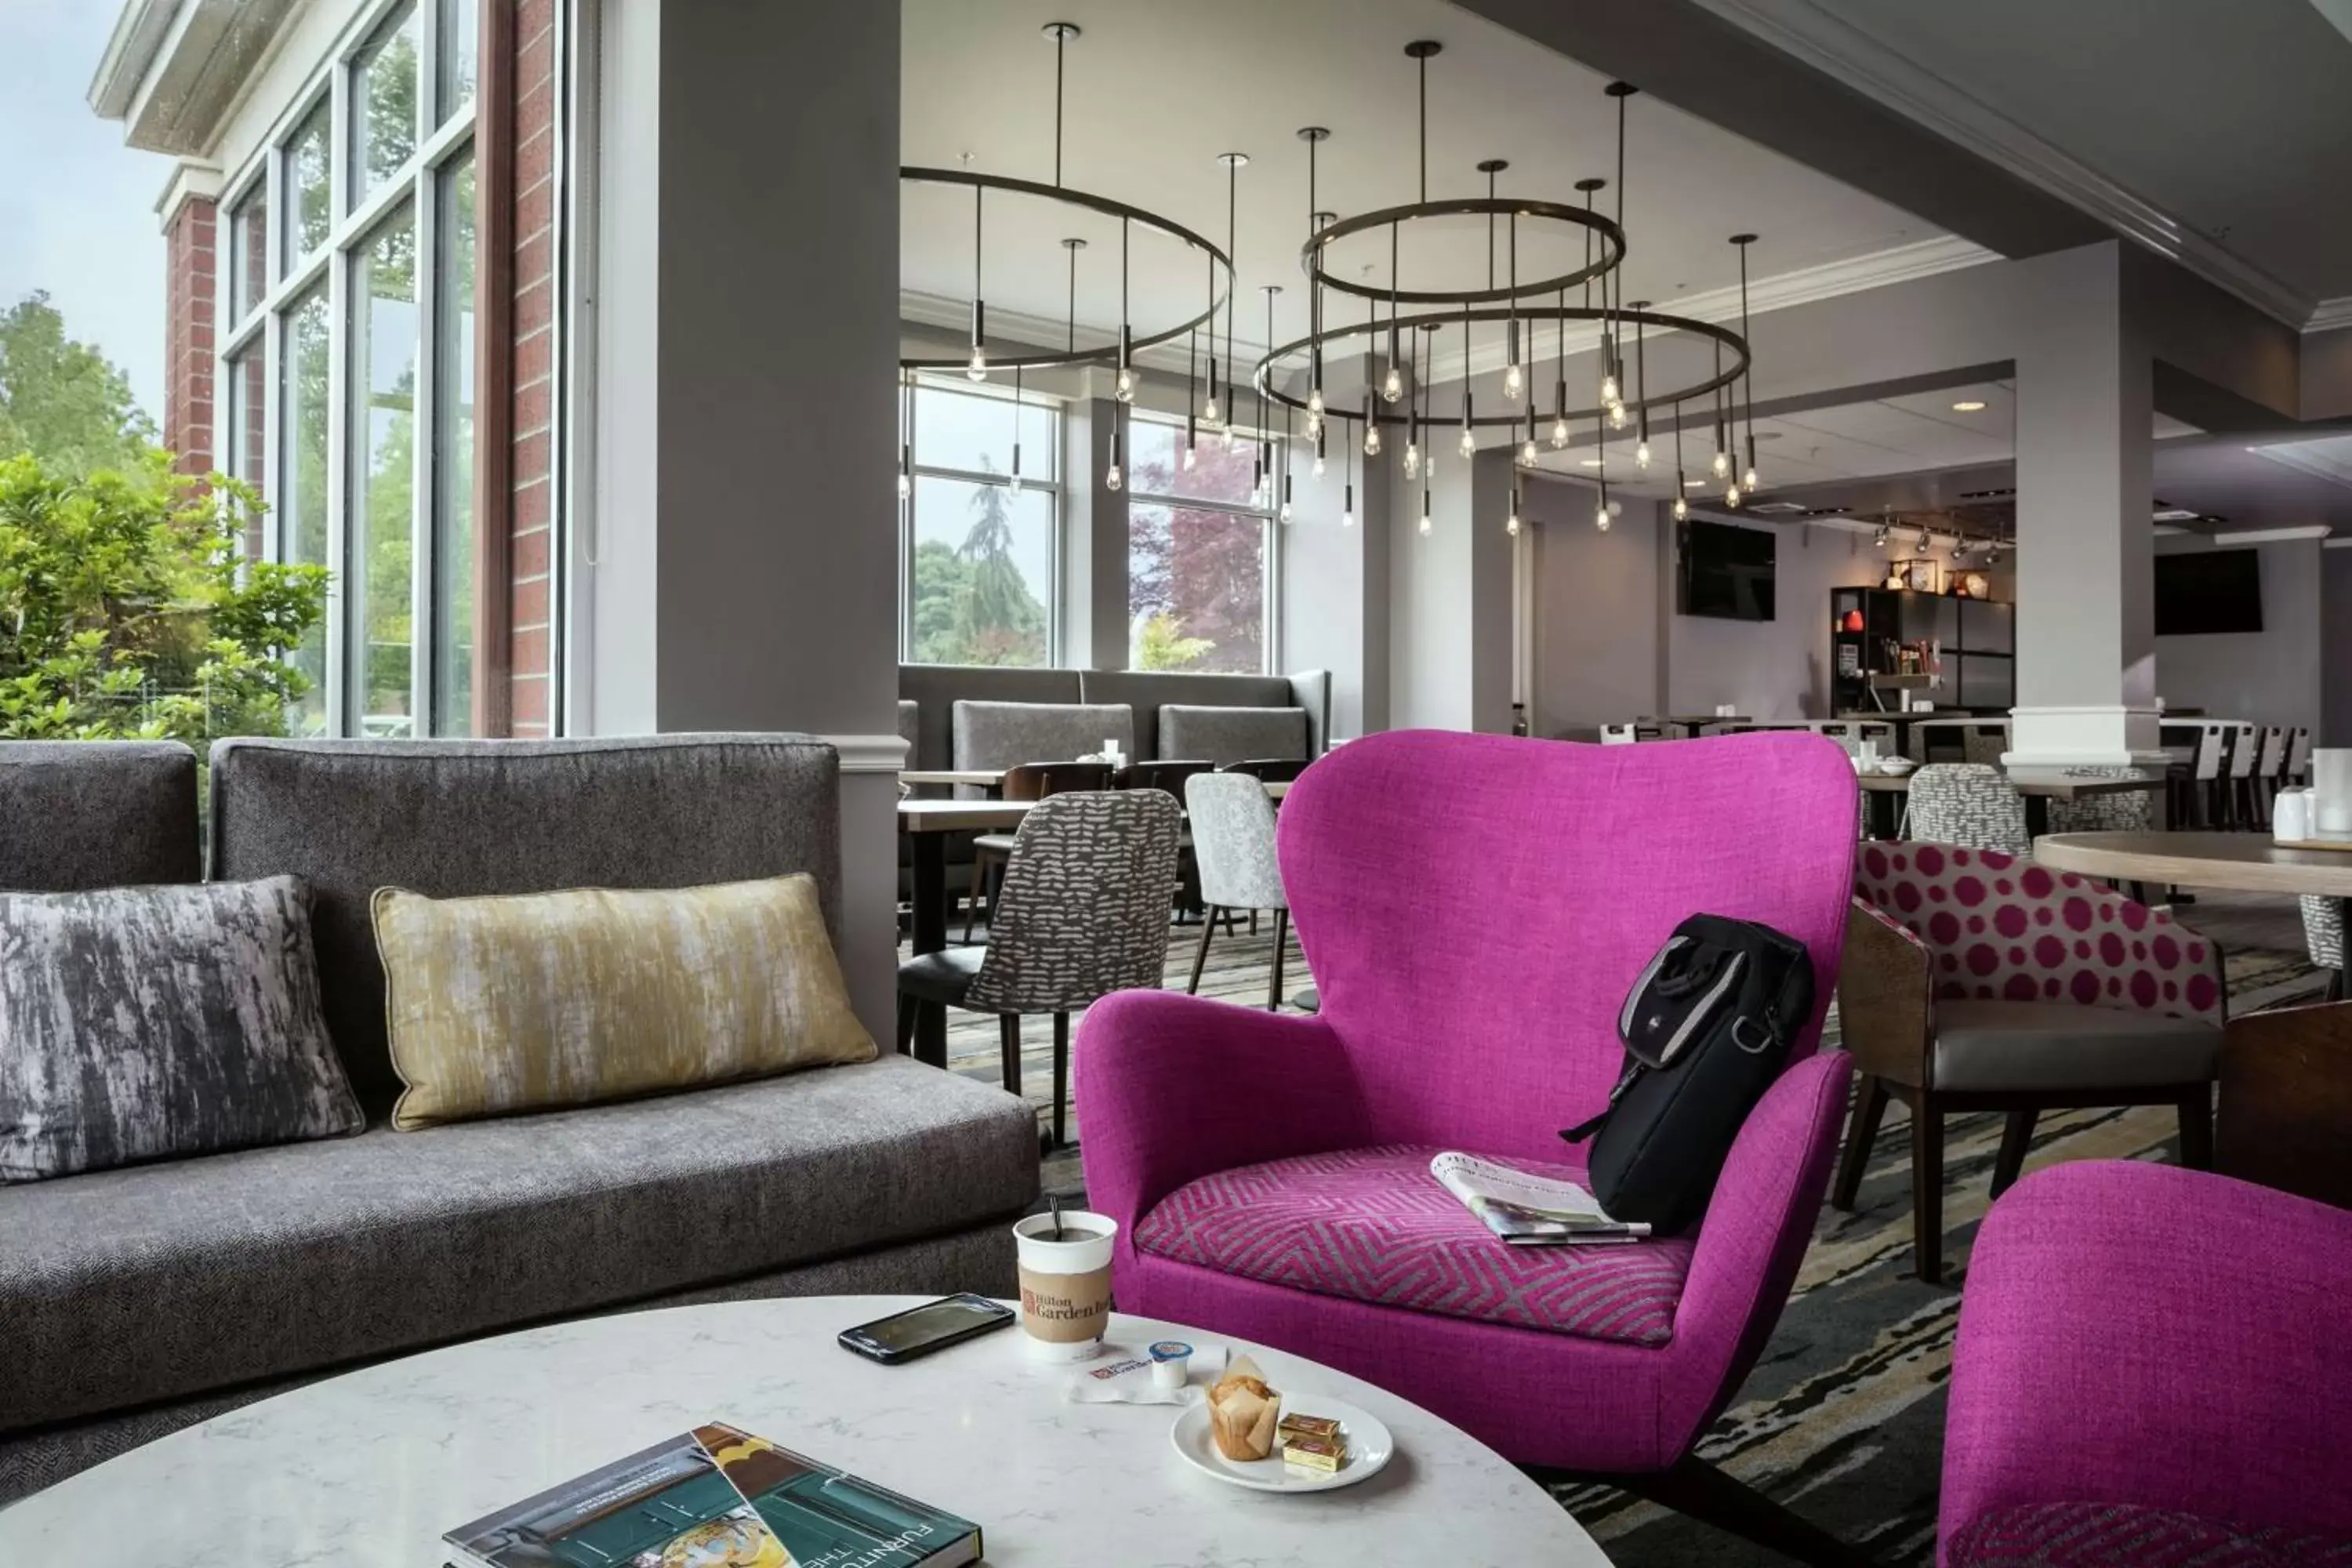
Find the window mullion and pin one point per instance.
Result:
(339, 609)
(424, 541)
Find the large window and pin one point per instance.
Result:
(981, 548)
(347, 346)
(1198, 542)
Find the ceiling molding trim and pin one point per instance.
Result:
(944, 314)
(2331, 315)
(1844, 53)
(2298, 455)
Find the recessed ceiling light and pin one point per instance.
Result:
(1694, 484)
(1968, 405)
(1588, 462)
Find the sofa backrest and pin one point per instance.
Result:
(936, 689)
(1148, 690)
(451, 818)
(1007, 734)
(96, 814)
(1223, 736)
(1478, 906)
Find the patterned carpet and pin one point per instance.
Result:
(1842, 1416)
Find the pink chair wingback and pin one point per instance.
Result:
(1475, 909)
(2004, 929)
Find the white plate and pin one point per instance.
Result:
(1369, 1448)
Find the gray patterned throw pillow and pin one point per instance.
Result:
(141, 1023)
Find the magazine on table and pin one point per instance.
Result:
(716, 1495)
(1527, 1210)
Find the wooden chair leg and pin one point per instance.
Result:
(1869, 1107)
(1273, 985)
(906, 1006)
(1008, 1048)
(1253, 922)
(2197, 1129)
(1928, 1187)
(2016, 1138)
(1201, 953)
(1061, 1075)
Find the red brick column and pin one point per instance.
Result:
(188, 247)
(534, 327)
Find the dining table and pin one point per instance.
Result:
(926, 823)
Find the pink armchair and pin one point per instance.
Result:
(1475, 909)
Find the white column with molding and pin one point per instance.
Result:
(2086, 572)
(1450, 594)
(1335, 568)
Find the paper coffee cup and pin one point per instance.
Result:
(1066, 1284)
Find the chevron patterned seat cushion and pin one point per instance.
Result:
(2113, 1535)
(1373, 1225)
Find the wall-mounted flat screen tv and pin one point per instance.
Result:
(2201, 591)
(1727, 571)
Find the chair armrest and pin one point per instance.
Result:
(2141, 1334)
(1171, 1087)
(1887, 987)
(2286, 1101)
(1751, 1240)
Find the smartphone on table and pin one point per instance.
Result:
(919, 1331)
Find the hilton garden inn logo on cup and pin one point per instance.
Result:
(1064, 1262)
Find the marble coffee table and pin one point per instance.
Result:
(367, 1469)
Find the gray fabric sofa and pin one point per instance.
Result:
(138, 1300)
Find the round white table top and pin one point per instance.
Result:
(2238, 862)
(367, 1470)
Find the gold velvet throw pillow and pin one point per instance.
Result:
(524, 1002)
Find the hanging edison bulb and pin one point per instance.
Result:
(1314, 425)
(1722, 464)
(1210, 415)
(1392, 385)
(1731, 493)
(1115, 479)
(1616, 416)
(905, 485)
(1511, 523)
(1424, 515)
(1371, 439)
(1642, 455)
(1560, 431)
(1012, 484)
(1127, 380)
(1748, 480)
(1347, 509)
(1600, 517)
(1528, 452)
(1609, 387)
(977, 368)
(1191, 457)
(1315, 403)
(1411, 459)
(1318, 465)
(1682, 509)
(1468, 445)
(1512, 382)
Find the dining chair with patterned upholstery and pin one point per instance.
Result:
(1081, 912)
(1976, 981)
(2126, 810)
(2238, 783)
(1232, 844)
(1970, 803)
(2323, 934)
(2208, 804)
(1029, 781)
(2298, 755)
(1984, 744)
(2270, 772)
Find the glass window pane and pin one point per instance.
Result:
(248, 250)
(983, 573)
(379, 587)
(1156, 452)
(302, 495)
(1196, 588)
(453, 454)
(244, 448)
(461, 39)
(308, 202)
(384, 104)
(974, 433)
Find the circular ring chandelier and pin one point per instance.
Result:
(1416, 312)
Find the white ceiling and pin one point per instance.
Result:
(2219, 131)
(1157, 91)
(1906, 435)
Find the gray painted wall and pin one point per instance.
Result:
(1776, 668)
(1595, 607)
(2270, 677)
(2336, 648)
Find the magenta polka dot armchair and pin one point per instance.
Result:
(1475, 909)
(1975, 980)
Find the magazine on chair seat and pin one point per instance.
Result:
(1527, 1210)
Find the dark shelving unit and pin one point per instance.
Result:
(1978, 638)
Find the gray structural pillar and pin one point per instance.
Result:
(1452, 649)
(733, 562)
(1336, 569)
(2086, 574)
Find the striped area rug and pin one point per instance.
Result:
(1842, 1418)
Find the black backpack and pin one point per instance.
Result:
(1707, 1028)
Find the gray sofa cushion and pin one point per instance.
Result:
(144, 1022)
(1148, 690)
(1223, 736)
(452, 817)
(149, 1283)
(1007, 734)
(2064, 1046)
(936, 689)
(96, 814)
